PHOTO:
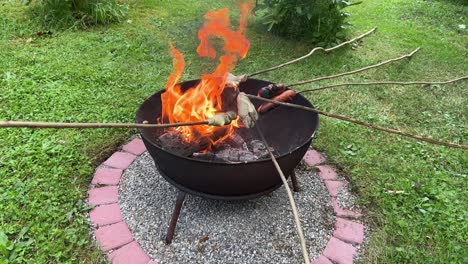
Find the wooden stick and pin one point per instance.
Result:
(384, 83)
(362, 123)
(355, 71)
(5, 124)
(312, 52)
(291, 198)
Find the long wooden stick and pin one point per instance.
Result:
(312, 52)
(384, 83)
(362, 123)
(6, 124)
(290, 196)
(407, 56)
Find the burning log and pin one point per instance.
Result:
(236, 149)
(236, 141)
(232, 149)
(173, 141)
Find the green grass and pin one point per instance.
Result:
(104, 73)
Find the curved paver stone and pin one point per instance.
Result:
(339, 251)
(105, 215)
(120, 160)
(349, 231)
(326, 172)
(114, 234)
(130, 253)
(313, 158)
(107, 176)
(136, 147)
(340, 212)
(103, 195)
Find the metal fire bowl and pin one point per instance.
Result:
(288, 130)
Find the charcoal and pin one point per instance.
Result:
(220, 146)
(259, 149)
(236, 141)
(172, 141)
(235, 155)
(238, 147)
(227, 155)
(209, 156)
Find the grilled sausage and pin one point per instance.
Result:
(286, 96)
(271, 90)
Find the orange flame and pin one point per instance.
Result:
(204, 100)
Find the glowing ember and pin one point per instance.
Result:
(204, 100)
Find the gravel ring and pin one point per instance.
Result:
(112, 233)
(255, 231)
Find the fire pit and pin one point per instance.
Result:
(289, 131)
(178, 152)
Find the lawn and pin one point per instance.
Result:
(102, 74)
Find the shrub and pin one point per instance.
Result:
(78, 12)
(322, 21)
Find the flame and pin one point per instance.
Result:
(204, 100)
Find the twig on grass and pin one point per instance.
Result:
(384, 83)
(290, 196)
(407, 56)
(362, 123)
(312, 52)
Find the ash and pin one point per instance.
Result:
(239, 147)
(235, 149)
(209, 231)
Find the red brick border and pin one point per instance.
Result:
(117, 241)
(340, 249)
(112, 233)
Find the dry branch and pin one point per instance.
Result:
(384, 83)
(291, 199)
(355, 71)
(312, 52)
(6, 124)
(362, 123)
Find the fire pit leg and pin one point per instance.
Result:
(295, 185)
(175, 217)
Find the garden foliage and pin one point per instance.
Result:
(322, 21)
(78, 12)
